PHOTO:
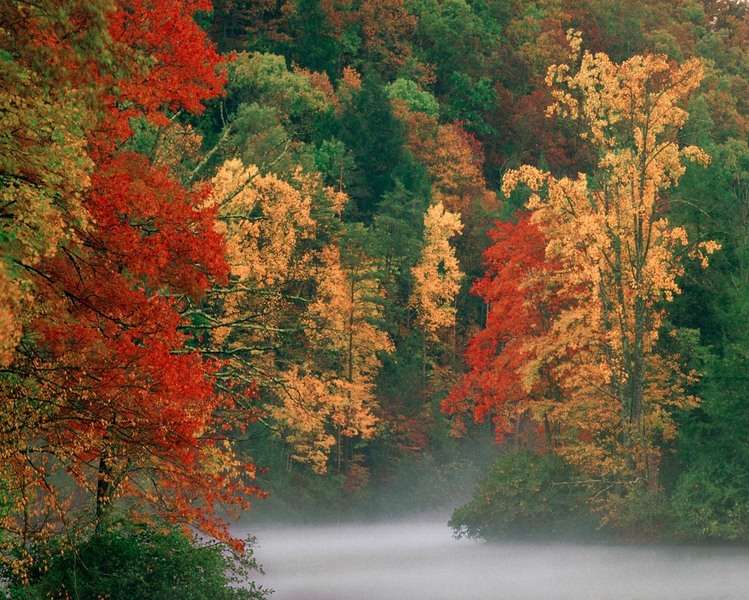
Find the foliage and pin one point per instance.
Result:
(413, 96)
(606, 388)
(452, 158)
(128, 561)
(710, 499)
(639, 514)
(267, 254)
(524, 494)
(46, 166)
(437, 275)
(375, 137)
(495, 355)
(105, 400)
(323, 392)
(347, 342)
(710, 503)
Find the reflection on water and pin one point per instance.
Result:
(419, 560)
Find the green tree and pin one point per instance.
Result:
(376, 139)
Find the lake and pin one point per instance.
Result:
(420, 560)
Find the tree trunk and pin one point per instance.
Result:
(103, 487)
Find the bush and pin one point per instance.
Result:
(133, 562)
(711, 502)
(637, 514)
(524, 495)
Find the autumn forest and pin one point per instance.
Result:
(319, 259)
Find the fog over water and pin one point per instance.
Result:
(420, 560)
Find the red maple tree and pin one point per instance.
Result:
(121, 404)
(492, 387)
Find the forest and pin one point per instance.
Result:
(322, 259)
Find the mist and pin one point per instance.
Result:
(418, 559)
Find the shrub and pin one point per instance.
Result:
(711, 502)
(637, 514)
(524, 495)
(132, 562)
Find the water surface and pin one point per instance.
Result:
(420, 560)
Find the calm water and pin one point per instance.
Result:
(419, 560)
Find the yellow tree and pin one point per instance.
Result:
(617, 258)
(437, 278)
(265, 222)
(262, 218)
(437, 275)
(284, 287)
(346, 341)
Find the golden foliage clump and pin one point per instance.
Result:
(262, 218)
(266, 222)
(304, 410)
(10, 324)
(335, 399)
(284, 284)
(437, 275)
(345, 311)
